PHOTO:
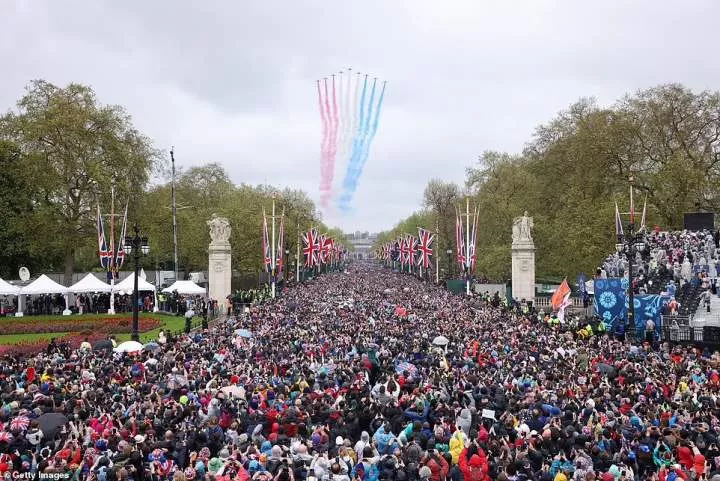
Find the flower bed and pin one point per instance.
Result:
(114, 325)
(31, 348)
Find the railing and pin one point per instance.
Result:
(545, 302)
(705, 335)
(670, 320)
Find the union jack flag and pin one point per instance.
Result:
(279, 259)
(404, 251)
(267, 258)
(328, 246)
(460, 241)
(424, 247)
(104, 251)
(472, 254)
(311, 248)
(412, 249)
(322, 250)
(120, 256)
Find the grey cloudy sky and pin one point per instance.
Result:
(233, 81)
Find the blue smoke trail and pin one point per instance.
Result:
(356, 147)
(360, 155)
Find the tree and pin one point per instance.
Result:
(72, 149)
(16, 206)
(441, 198)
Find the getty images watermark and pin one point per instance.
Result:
(17, 475)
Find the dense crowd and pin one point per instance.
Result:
(367, 376)
(670, 257)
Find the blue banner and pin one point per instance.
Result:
(612, 305)
(610, 300)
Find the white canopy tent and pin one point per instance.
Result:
(128, 284)
(89, 283)
(7, 289)
(185, 287)
(43, 285)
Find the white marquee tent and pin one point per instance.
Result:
(7, 289)
(128, 285)
(43, 285)
(185, 287)
(89, 283)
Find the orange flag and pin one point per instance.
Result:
(559, 295)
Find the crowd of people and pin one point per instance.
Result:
(670, 257)
(367, 376)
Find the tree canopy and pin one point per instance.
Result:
(62, 152)
(577, 165)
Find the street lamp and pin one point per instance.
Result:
(449, 257)
(287, 264)
(136, 246)
(630, 244)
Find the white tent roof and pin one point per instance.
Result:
(128, 284)
(89, 283)
(185, 287)
(43, 285)
(7, 289)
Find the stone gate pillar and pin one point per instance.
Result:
(219, 262)
(523, 259)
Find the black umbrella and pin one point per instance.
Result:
(104, 345)
(50, 423)
(606, 369)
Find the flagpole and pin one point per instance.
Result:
(437, 257)
(174, 214)
(112, 243)
(272, 249)
(297, 256)
(467, 245)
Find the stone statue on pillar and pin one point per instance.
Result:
(220, 261)
(523, 258)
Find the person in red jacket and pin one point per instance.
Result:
(439, 467)
(685, 455)
(473, 463)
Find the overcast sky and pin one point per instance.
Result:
(234, 81)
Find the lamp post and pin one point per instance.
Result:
(286, 265)
(449, 257)
(630, 243)
(136, 246)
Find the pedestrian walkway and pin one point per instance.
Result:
(703, 318)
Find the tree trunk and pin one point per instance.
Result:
(69, 265)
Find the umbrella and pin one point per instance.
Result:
(606, 369)
(151, 346)
(176, 381)
(20, 423)
(233, 391)
(104, 345)
(244, 333)
(129, 346)
(440, 341)
(50, 422)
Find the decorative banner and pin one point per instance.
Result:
(425, 247)
(610, 303)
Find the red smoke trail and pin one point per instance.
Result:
(323, 145)
(326, 164)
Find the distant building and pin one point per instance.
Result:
(363, 244)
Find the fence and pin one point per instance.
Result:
(577, 302)
(686, 333)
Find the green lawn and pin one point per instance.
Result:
(170, 324)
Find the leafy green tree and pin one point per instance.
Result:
(72, 149)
